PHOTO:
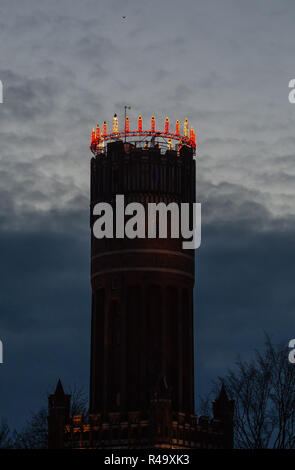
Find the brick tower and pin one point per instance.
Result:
(142, 347)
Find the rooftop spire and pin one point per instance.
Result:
(222, 394)
(59, 391)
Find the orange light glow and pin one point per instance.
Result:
(185, 128)
(93, 135)
(153, 124)
(97, 132)
(100, 143)
(166, 124)
(115, 124)
(100, 137)
(127, 124)
(193, 137)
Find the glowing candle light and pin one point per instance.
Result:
(99, 136)
(115, 124)
(127, 124)
(100, 143)
(185, 128)
(97, 132)
(193, 137)
(153, 124)
(166, 124)
(93, 136)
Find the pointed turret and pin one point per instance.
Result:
(161, 413)
(58, 416)
(223, 394)
(223, 410)
(59, 391)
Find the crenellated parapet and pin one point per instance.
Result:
(143, 175)
(132, 430)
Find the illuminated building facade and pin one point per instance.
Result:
(142, 345)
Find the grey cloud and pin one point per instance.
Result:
(66, 66)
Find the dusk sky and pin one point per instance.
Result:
(68, 65)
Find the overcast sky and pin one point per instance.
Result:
(66, 65)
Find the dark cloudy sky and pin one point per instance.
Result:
(66, 65)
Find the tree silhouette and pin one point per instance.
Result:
(34, 434)
(264, 394)
(5, 436)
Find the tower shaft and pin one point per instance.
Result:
(142, 288)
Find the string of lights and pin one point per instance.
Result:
(100, 136)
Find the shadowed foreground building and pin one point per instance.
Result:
(142, 346)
